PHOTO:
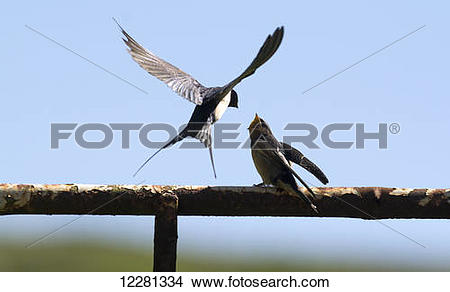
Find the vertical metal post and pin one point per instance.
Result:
(166, 235)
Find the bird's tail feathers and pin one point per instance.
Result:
(176, 139)
(303, 183)
(212, 160)
(296, 193)
(204, 135)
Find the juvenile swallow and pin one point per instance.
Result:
(273, 160)
(211, 102)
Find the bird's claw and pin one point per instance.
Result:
(262, 185)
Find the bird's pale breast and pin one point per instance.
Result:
(263, 166)
(222, 107)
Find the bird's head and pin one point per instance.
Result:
(255, 123)
(233, 100)
(257, 128)
(258, 122)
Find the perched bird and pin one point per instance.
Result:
(273, 160)
(211, 102)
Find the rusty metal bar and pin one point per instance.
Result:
(352, 202)
(166, 235)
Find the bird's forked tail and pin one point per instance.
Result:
(176, 139)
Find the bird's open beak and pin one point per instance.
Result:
(255, 121)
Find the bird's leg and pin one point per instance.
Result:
(263, 185)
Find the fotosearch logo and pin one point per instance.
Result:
(225, 135)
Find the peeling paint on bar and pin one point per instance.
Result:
(14, 196)
(379, 202)
(401, 192)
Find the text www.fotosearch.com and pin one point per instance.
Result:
(243, 282)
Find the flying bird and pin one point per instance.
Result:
(273, 160)
(211, 102)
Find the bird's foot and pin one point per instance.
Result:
(263, 185)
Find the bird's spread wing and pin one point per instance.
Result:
(182, 83)
(267, 50)
(296, 156)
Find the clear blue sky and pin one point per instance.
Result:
(407, 83)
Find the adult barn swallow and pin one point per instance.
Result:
(211, 102)
(273, 161)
